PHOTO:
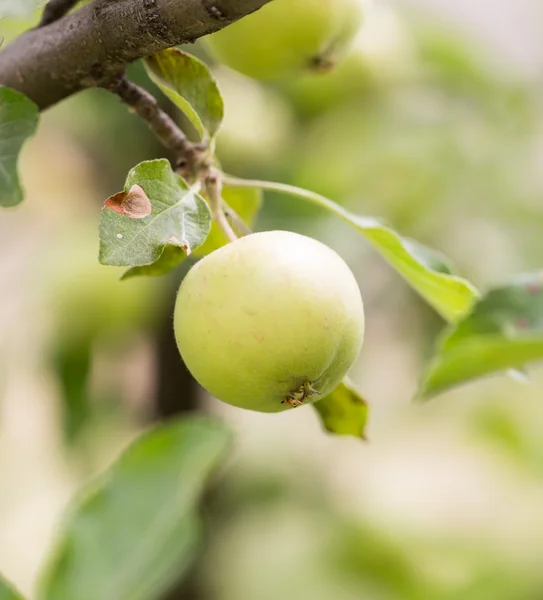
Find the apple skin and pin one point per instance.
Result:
(269, 322)
(382, 56)
(286, 37)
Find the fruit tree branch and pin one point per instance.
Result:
(145, 106)
(55, 10)
(92, 46)
(191, 158)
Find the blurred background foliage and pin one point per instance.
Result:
(427, 126)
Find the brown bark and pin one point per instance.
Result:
(92, 46)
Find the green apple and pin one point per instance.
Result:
(382, 55)
(287, 37)
(269, 322)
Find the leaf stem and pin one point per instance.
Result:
(291, 190)
(235, 220)
(451, 295)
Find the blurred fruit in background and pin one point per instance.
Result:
(287, 37)
(382, 54)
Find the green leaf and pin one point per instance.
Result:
(503, 332)
(18, 121)
(171, 258)
(133, 533)
(451, 296)
(344, 411)
(430, 258)
(190, 85)
(7, 592)
(179, 217)
(246, 203)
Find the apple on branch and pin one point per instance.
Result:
(269, 322)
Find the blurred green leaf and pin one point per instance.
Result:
(133, 533)
(72, 364)
(344, 411)
(365, 553)
(451, 296)
(18, 121)
(179, 217)
(461, 70)
(246, 203)
(7, 592)
(189, 84)
(504, 331)
(171, 258)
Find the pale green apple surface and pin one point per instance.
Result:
(288, 36)
(269, 322)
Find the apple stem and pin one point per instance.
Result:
(213, 186)
(235, 220)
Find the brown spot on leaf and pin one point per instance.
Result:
(134, 204)
(523, 323)
(114, 202)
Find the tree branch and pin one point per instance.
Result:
(92, 46)
(191, 159)
(146, 107)
(55, 10)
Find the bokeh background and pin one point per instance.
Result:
(434, 124)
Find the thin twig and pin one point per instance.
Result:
(213, 186)
(193, 160)
(146, 106)
(55, 10)
(235, 220)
